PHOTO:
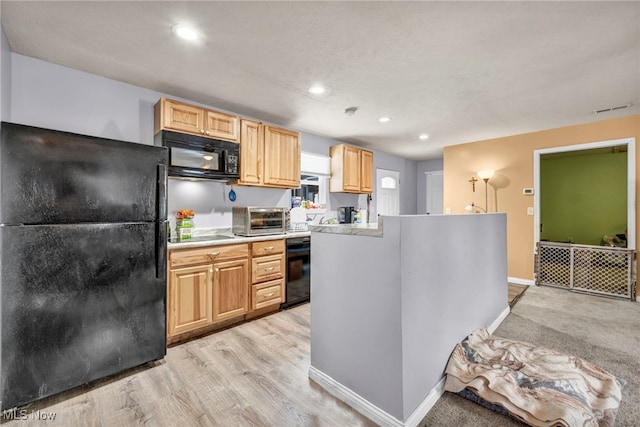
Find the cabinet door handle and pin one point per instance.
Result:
(207, 132)
(217, 269)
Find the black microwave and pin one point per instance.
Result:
(192, 156)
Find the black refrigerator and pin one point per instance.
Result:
(83, 237)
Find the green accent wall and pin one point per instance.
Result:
(583, 195)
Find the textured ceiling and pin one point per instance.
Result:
(459, 71)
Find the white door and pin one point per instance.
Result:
(435, 190)
(388, 192)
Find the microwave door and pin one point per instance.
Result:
(195, 159)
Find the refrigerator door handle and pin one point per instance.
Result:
(162, 223)
(162, 192)
(161, 249)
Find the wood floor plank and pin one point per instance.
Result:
(515, 293)
(255, 374)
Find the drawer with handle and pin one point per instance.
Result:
(267, 294)
(180, 258)
(268, 247)
(267, 267)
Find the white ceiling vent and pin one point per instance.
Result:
(608, 109)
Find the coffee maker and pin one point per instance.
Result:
(346, 214)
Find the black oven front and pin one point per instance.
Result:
(192, 156)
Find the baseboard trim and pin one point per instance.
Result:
(353, 399)
(519, 281)
(493, 326)
(426, 405)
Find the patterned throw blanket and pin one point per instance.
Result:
(538, 386)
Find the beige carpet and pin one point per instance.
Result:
(603, 331)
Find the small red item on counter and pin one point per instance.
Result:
(185, 213)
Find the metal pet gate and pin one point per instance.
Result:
(602, 270)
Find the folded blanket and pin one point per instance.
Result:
(539, 386)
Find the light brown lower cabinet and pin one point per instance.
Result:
(267, 294)
(230, 279)
(206, 285)
(189, 299)
(267, 274)
(216, 286)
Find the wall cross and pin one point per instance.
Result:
(473, 181)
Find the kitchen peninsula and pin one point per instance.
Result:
(390, 303)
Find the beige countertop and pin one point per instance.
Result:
(373, 229)
(202, 241)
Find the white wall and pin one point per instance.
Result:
(5, 77)
(421, 181)
(356, 333)
(454, 280)
(56, 97)
(387, 311)
(407, 169)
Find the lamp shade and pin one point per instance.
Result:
(472, 208)
(485, 174)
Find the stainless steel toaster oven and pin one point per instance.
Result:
(258, 221)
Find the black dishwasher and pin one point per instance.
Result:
(298, 287)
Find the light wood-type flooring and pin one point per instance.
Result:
(255, 374)
(515, 292)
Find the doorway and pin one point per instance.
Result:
(626, 143)
(434, 192)
(388, 192)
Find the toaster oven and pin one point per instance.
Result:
(258, 221)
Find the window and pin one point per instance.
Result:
(313, 188)
(388, 182)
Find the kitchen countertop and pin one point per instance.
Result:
(200, 239)
(373, 229)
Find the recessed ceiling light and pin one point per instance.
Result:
(185, 32)
(424, 136)
(316, 89)
(384, 119)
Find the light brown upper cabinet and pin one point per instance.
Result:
(269, 156)
(180, 117)
(366, 171)
(351, 169)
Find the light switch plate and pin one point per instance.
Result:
(529, 211)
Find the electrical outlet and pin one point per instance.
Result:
(529, 211)
(447, 210)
